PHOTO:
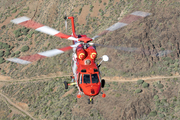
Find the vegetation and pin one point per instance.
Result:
(156, 97)
(140, 82)
(138, 91)
(25, 48)
(2, 60)
(152, 57)
(1, 53)
(145, 85)
(153, 113)
(160, 86)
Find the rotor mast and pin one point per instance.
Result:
(82, 38)
(73, 26)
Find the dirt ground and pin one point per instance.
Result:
(155, 55)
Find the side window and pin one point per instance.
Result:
(80, 79)
(95, 78)
(86, 78)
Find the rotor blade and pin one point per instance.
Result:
(136, 50)
(125, 21)
(27, 22)
(128, 49)
(32, 58)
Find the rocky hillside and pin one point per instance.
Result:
(154, 51)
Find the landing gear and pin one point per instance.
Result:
(102, 83)
(90, 100)
(66, 85)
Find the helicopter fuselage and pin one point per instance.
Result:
(85, 70)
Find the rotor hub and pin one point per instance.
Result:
(84, 39)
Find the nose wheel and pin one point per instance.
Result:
(90, 100)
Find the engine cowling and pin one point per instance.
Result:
(93, 53)
(80, 53)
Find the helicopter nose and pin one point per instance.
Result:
(92, 91)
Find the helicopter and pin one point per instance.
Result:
(86, 74)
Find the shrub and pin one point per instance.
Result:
(156, 97)
(162, 49)
(153, 113)
(162, 90)
(3, 27)
(160, 86)
(1, 53)
(164, 100)
(36, 32)
(140, 82)
(145, 85)
(30, 34)
(138, 91)
(2, 60)
(161, 115)
(17, 33)
(3, 72)
(57, 114)
(157, 105)
(7, 53)
(20, 39)
(80, 11)
(17, 52)
(10, 48)
(25, 48)
(91, 7)
(25, 39)
(13, 54)
(5, 45)
(14, 11)
(25, 31)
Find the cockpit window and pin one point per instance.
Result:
(86, 78)
(95, 78)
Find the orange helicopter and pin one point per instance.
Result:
(86, 74)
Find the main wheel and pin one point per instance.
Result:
(66, 85)
(102, 83)
(88, 101)
(92, 101)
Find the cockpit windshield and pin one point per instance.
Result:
(95, 78)
(86, 78)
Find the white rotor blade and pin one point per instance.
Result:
(31, 58)
(27, 22)
(125, 21)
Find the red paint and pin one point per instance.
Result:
(130, 18)
(31, 24)
(65, 48)
(73, 26)
(85, 39)
(103, 95)
(89, 89)
(32, 58)
(61, 35)
(78, 96)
